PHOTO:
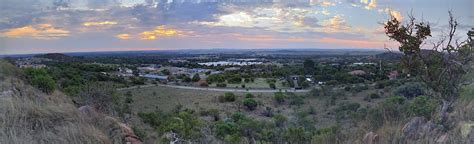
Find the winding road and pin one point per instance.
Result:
(218, 89)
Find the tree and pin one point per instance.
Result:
(40, 79)
(308, 66)
(196, 78)
(44, 82)
(251, 104)
(442, 68)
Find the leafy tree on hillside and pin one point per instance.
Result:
(442, 68)
(308, 66)
(40, 79)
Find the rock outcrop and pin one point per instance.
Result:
(123, 130)
(418, 128)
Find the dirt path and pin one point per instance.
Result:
(218, 89)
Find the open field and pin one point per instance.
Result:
(165, 99)
(259, 83)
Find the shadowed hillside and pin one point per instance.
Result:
(28, 115)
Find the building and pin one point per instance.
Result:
(357, 72)
(393, 75)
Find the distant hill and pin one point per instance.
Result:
(389, 56)
(57, 57)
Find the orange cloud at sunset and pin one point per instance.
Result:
(160, 31)
(40, 31)
(123, 36)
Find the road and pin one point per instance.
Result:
(217, 89)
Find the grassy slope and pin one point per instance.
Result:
(30, 116)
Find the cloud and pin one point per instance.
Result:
(123, 36)
(102, 23)
(393, 13)
(159, 31)
(275, 18)
(40, 31)
(101, 4)
(238, 19)
(366, 4)
(335, 24)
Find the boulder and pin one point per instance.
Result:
(89, 112)
(121, 129)
(370, 138)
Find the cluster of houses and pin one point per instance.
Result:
(32, 62)
(156, 72)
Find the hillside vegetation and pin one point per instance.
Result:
(27, 115)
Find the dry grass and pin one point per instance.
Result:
(30, 116)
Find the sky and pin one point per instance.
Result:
(46, 26)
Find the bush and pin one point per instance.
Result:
(375, 118)
(44, 83)
(229, 97)
(279, 97)
(139, 132)
(360, 88)
(326, 135)
(422, 106)
(196, 78)
(297, 100)
(280, 120)
(374, 96)
(250, 104)
(40, 79)
(249, 95)
(394, 108)
(410, 90)
(272, 85)
(236, 79)
(268, 112)
(296, 135)
(221, 85)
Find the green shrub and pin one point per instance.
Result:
(374, 96)
(196, 78)
(249, 95)
(422, 106)
(375, 118)
(229, 97)
(40, 79)
(221, 85)
(280, 120)
(279, 97)
(360, 88)
(297, 100)
(410, 90)
(222, 129)
(272, 85)
(250, 104)
(139, 132)
(326, 135)
(394, 108)
(296, 135)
